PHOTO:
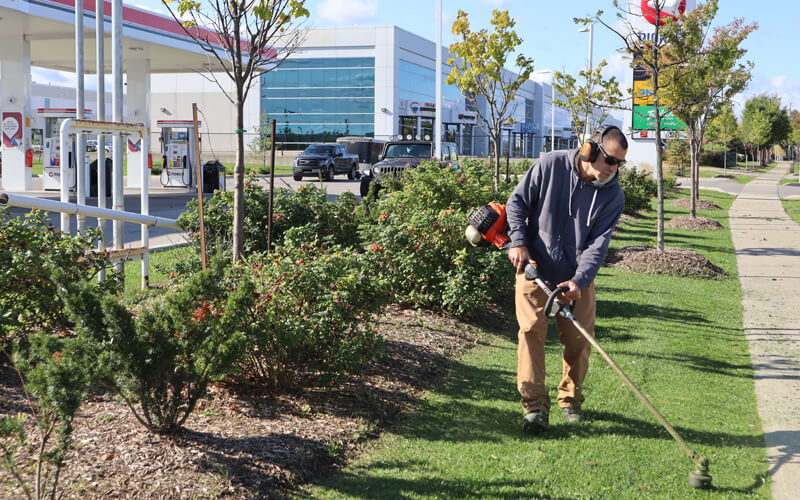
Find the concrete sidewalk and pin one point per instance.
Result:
(767, 246)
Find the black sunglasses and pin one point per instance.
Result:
(611, 160)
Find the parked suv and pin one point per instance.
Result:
(328, 159)
(400, 155)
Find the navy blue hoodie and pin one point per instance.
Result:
(565, 222)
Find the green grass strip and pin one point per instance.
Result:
(679, 339)
(792, 208)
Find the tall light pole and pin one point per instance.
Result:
(589, 29)
(552, 107)
(437, 73)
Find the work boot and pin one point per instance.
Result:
(572, 414)
(536, 421)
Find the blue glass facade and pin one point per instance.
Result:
(319, 99)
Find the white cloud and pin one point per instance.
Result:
(496, 3)
(53, 77)
(783, 86)
(347, 12)
(162, 11)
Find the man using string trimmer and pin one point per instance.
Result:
(561, 216)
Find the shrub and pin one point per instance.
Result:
(416, 234)
(54, 372)
(161, 358)
(638, 187)
(29, 248)
(313, 302)
(308, 205)
(712, 159)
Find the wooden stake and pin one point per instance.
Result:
(271, 186)
(199, 170)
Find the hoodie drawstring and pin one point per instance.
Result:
(588, 217)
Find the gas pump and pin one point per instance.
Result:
(178, 153)
(51, 149)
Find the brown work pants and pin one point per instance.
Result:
(530, 301)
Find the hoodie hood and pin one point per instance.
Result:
(575, 181)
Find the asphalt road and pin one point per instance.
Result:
(170, 203)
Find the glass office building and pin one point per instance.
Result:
(380, 82)
(319, 99)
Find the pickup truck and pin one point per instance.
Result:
(325, 159)
(400, 155)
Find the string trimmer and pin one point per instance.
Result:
(487, 225)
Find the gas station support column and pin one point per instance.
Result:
(15, 108)
(138, 99)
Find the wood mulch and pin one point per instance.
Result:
(693, 223)
(242, 444)
(701, 204)
(672, 261)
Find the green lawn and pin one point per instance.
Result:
(792, 208)
(681, 342)
(737, 176)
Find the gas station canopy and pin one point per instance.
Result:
(49, 27)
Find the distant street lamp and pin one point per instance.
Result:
(590, 30)
(552, 107)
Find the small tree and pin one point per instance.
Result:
(591, 102)
(55, 377)
(756, 129)
(723, 128)
(478, 69)
(765, 123)
(677, 153)
(262, 141)
(706, 76)
(249, 37)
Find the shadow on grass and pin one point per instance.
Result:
(367, 485)
(701, 364)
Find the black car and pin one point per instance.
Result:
(327, 159)
(400, 155)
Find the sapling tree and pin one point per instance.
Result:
(591, 102)
(478, 70)
(725, 129)
(707, 74)
(248, 38)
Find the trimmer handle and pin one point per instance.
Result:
(552, 308)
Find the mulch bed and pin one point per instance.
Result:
(701, 204)
(241, 444)
(693, 223)
(672, 261)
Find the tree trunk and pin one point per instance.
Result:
(238, 182)
(695, 173)
(497, 143)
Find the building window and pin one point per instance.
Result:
(466, 140)
(320, 99)
(408, 126)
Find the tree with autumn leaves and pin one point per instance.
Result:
(248, 38)
(690, 71)
(709, 73)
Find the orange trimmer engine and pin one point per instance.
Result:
(487, 225)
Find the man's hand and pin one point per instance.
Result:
(574, 292)
(519, 256)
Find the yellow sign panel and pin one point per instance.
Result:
(643, 93)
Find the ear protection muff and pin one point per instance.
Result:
(591, 148)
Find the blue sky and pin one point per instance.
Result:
(551, 38)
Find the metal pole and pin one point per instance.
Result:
(118, 201)
(101, 116)
(145, 205)
(438, 75)
(553, 114)
(591, 39)
(80, 103)
(63, 136)
(199, 172)
(271, 186)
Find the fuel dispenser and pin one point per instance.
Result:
(51, 149)
(178, 153)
